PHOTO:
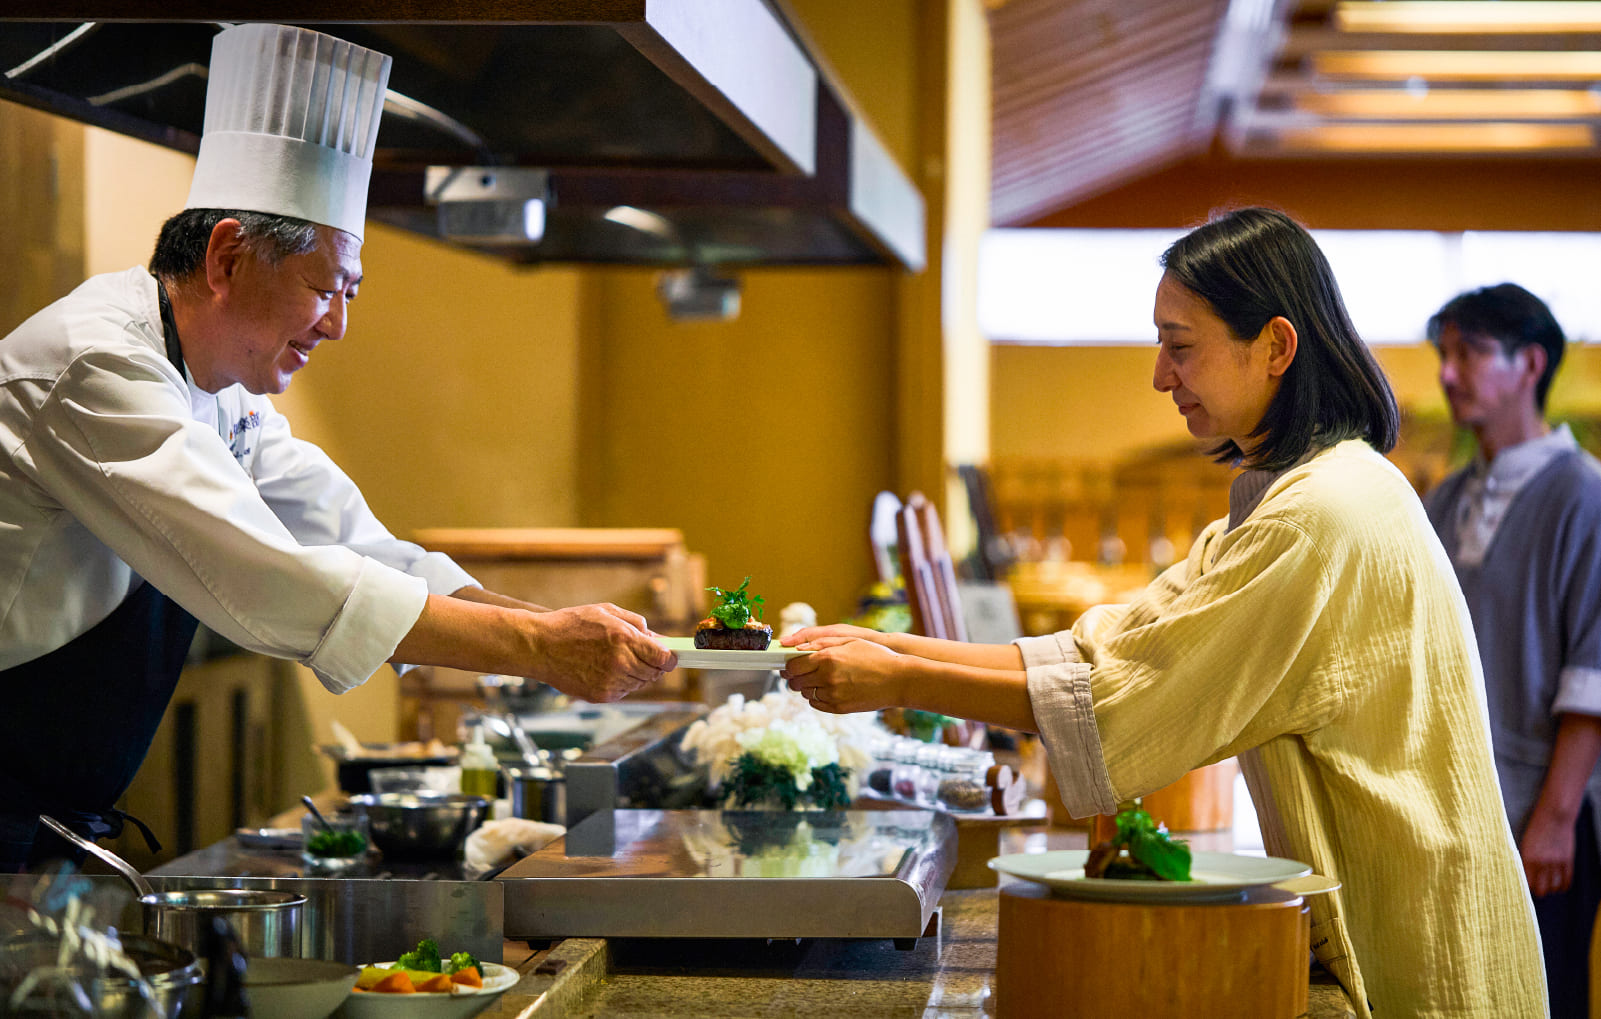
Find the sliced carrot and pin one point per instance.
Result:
(396, 983)
(439, 982)
(468, 976)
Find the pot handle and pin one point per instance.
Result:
(121, 866)
(225, 969)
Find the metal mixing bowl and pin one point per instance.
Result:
(420, 824)
(172, 978)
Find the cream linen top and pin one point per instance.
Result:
(1325, 639)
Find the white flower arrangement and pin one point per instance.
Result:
(782, 731)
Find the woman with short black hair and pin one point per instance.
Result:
(1316, 632)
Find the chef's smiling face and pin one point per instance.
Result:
(278, 313)
(1220, 384)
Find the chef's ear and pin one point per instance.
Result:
(224, 252)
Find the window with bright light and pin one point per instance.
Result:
(1096, 287)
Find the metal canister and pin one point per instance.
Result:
(538, 793)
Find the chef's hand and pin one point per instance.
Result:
(846, 674)
(598, 652)
(816, 637)
(1547, 847)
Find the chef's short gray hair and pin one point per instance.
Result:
(181, 246)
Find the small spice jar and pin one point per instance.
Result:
(904, 781)
(962, 786)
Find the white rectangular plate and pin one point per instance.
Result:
(691, 657)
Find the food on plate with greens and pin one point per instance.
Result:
(734, 623)
(1141, 850)
(423, 971)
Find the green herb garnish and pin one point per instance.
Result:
(336, 843)
(735, 608)
(1141, 850)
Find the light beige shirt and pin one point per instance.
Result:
(1326, 635)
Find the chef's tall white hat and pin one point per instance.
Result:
(291, 123)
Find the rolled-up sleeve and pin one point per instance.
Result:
(1578, 692)
(1205, 662)
(1059, 691)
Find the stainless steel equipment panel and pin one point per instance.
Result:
(371, 915)
(734, 874)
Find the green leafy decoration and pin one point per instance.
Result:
(1150, 845)
(927, 726)
(735, 608)
(755, 783)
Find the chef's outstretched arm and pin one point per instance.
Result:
(593, 652)
(487, 597)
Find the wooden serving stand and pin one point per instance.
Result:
(1246, 959)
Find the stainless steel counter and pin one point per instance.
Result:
(735, 874)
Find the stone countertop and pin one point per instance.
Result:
(952, 976)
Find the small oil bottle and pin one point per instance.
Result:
(480, 773)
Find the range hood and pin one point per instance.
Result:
(664, 132)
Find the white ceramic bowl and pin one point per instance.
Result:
(462, 1003)
(298, 988)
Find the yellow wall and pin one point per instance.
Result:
(133, 188)
(763, 438)
(41, 209)
(452, 399)
(1096, 404)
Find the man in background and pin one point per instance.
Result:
(1522, 525)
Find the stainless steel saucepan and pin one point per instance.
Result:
(267, 921)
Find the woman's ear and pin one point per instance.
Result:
(1282, 345)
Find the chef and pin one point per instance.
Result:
(146, 482)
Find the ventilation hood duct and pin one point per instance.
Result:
(514, 127)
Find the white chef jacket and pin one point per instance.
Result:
(116, 470)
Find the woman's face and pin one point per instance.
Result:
(1221, 385)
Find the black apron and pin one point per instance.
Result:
(78, 721)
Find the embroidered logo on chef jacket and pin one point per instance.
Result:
(239, 435)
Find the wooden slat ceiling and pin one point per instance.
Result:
(1086, 93)
(1089, 94)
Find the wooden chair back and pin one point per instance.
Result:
(930, 574)
(883, 534)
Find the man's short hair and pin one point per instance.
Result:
(1512, 317)
(181, 246)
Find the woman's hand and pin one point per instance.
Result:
(847, 673)
(834, 633)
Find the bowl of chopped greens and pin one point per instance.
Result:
(427, 984)
(334, 842)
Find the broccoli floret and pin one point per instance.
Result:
(425, 957)
(463, 960)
